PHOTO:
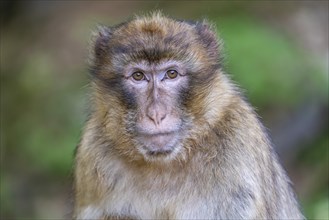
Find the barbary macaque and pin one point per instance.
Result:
(169, 136)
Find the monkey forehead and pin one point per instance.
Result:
(155, 27)
(155, 39)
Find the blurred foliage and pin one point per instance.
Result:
(44, 87)
(264, 61)
(40, 92)
(316, 160)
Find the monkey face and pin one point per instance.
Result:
(159, 118)
(150, 77)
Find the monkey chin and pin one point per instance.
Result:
(159, 147)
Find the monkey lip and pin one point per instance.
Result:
(157, 134)
(159, 152)
(159, 143)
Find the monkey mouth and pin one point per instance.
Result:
(160, 144)
(159, 152)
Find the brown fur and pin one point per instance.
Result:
(226, 168)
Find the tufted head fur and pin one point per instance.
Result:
(153, 40)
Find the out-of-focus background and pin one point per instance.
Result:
(277, 51)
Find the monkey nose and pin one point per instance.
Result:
(156, 115)
(157, 118)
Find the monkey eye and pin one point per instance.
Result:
(138, 76)
(172, 74)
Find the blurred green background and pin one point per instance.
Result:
(277, 51)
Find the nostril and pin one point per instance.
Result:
(163, 117)
(151, 117)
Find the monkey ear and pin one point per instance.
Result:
(208, 37)
(101, 39)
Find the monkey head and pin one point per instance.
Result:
(151, 79)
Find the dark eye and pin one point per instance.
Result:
(138, 76)
(172, 74)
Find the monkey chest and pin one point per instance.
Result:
(157, 202)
